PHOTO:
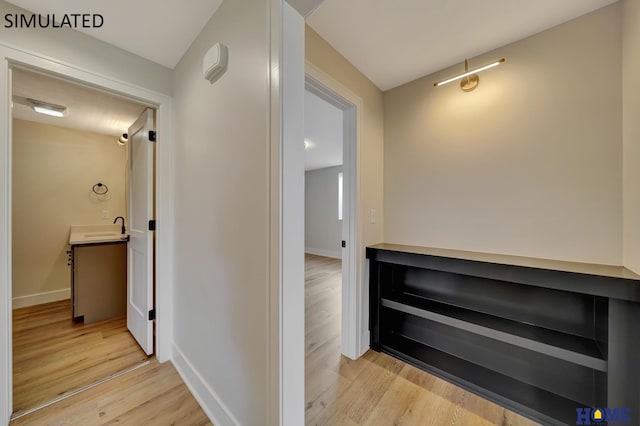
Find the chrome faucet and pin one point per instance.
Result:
(123, 230)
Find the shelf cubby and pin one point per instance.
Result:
(575, 349)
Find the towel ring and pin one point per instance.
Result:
(100, 188)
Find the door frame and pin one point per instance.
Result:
(355, 335)
(164, 195)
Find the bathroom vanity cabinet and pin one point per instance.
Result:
(99, 281)
(540, 337)
(98, 274)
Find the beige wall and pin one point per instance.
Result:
(327, 59)
(631, 131)
(88, 53)
(370, 158)
(530, 163)
(222, 213)
(54, 170)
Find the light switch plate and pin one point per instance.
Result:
(105, 214)
(373, 215)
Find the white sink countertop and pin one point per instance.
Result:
(93, 234)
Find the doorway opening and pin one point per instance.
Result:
(163, 268)
(82, 270)
(324, 217)
(333, 293)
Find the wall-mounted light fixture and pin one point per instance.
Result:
(469, 79)
(47, 108)
(123, 139)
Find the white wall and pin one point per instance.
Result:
(323, 230)
(222, 217)
(530, 163)
(73, 47)
(631, 131)
(287, 346)
(54, 170)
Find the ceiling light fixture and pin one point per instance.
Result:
(123, 139)
(469, 79)
(307, 144)
(47, 108)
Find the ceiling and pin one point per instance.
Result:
(159, 31)
(394, 42)
(87, 109)
(391, 42)
(322, 132)
(305, 7)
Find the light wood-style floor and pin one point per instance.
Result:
(151, 395)
(52, 356)
(376, 389)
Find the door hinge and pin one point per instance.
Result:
(344, 243)
(152, 135)
(152, 225)
(152, 315)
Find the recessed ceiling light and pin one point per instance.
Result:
(307, 144)
(48, 111)
(47, 108)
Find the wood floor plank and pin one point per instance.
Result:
(373, 390)
(376, 389)
(53, 356)
(394, 403)
(150, 395)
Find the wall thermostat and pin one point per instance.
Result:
(215, 62)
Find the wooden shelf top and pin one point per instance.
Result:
(529, 262)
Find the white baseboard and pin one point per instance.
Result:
(40, 298)
(210, 402)
(337, 254)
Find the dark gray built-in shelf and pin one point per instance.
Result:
(541, 337)
(576, 349)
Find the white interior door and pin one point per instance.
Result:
(140, 246)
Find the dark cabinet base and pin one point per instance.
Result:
(513, 334)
